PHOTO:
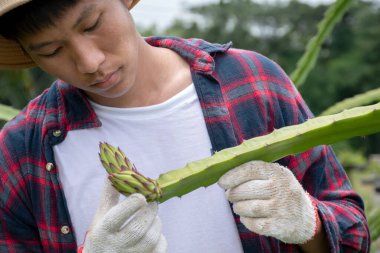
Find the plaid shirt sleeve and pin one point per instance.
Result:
(341, 209)
(260, 98)
(33, 217)
(18, 233)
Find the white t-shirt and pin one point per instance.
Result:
(156, 139)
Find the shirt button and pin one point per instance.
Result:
(65, 230)
(57, 133)
(49, 166)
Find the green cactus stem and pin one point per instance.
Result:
(289, 140)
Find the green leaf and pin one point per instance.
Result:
(7, 112)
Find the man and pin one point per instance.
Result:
(165, 102)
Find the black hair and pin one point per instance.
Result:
(32, 17)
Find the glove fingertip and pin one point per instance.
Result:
(227, 182)
(223, 182)
(131, 204)
(233, 178)
(138, 197)
(153, 205)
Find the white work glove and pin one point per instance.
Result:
(271, 201)
(129, 226)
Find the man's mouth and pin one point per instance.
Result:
(107, 81)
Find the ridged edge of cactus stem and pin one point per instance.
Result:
(289, 140)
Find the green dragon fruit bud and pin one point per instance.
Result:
(124, 175)
(113, 160)
(107, 158)
(129, 182)
(121, 165)
(121, 186)
(126, 162)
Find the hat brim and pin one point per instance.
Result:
(12, 56)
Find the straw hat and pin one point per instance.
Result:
(11, 54)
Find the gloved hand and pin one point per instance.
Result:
(129, 226)
(271, 201)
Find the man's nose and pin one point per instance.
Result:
(88, 56)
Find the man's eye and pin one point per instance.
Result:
(93, 27)
(55, 52)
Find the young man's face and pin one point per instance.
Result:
(94, 47)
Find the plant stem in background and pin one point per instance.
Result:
(365, 98)
(307, 62)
